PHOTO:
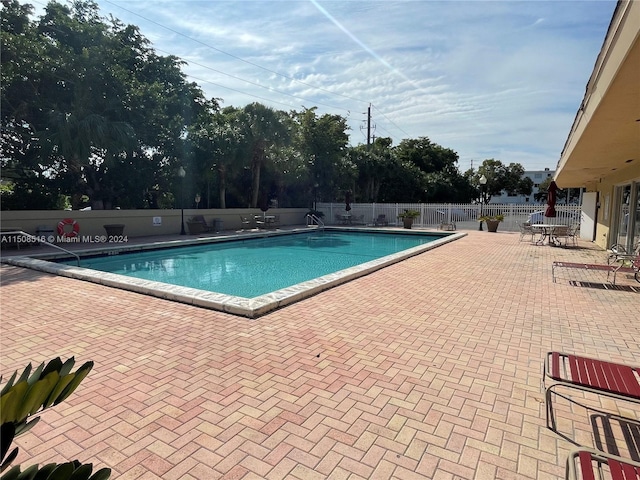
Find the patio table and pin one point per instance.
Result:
(546, 232)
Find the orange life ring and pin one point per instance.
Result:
(75, 228)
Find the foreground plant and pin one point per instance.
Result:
(33, 392)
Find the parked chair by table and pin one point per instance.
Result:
(573, 234)
(585, 374)
(526, 231)
(559, 233)
(589, 463)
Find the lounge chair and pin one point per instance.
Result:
(589, 375)
(589, 463)
(197, 224)
(621, 266)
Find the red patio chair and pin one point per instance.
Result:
(592, 465)
(590, 375)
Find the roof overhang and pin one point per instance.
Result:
(605, 135)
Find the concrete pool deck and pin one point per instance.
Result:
(428, 369)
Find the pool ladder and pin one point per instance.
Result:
(314, 220)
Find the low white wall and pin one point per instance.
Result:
(138, 223)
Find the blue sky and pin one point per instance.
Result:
(488, 79)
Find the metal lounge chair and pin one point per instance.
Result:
(614, 380)
(197, 224)
(621, 266)
(588, 464)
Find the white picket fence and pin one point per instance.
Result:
(464, 215)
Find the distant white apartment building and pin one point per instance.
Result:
(537, 176)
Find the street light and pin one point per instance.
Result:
(181, 174)
(483, 185)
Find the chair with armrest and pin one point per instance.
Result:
(589, 464)
(526, 231)
(585, 374)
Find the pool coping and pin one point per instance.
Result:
(245, 307)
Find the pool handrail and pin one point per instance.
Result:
(39, 239)
(314, 218)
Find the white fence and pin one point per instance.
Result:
(465, 215)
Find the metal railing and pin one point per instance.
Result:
(313, 219)
(40, 240)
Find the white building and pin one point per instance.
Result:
(537, 177)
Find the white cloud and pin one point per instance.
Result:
(498, 79)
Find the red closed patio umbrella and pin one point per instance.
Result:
(347, 200)
(552, 196)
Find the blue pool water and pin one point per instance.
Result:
(252, 267)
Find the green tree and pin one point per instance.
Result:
(322, 142)
(501, 178)
(89, 109)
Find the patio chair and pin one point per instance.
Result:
(381, 220)
(358, 220)
(526, 231)
(614, 380)
(559, 233)
(621, 266)
(589, 463)
(572, 234)
(247, 222)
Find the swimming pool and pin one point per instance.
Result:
(252, 275)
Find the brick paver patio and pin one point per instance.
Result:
(428, 369)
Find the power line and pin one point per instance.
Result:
(235, 56)
(390, 121)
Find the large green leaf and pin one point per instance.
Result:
(10, 411)
(57, 390)
(54, 365)
(37, 394)
(9, 384)
(80, 375)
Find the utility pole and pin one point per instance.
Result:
(369, 126)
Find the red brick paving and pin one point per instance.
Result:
(428, 369)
